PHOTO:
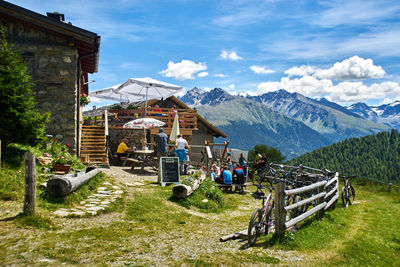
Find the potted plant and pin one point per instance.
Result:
(84, 99)
(61, 164)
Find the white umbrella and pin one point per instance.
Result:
(175, 129)
(111, 94)
(144, 123)
(148, 88)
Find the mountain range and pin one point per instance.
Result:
(291, 122)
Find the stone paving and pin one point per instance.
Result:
(95, 203)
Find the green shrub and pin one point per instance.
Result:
(208, 197)
(12, 183)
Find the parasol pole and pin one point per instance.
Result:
(145, 107)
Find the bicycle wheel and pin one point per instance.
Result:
(351, 195)
(344, 197)
(254, 226)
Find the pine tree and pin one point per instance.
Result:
(20, 121)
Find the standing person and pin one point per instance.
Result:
(242, 160)
(162, 144)
(122, 149)
(180, 149)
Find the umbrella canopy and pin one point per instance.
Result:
(144, 123)
(148, 88)
(175, 129)
(111, 94)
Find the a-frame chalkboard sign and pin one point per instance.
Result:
(168, 171)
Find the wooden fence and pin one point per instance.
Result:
(327, 194)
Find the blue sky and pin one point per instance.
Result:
(346, 51)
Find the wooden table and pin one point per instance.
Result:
(140, 157)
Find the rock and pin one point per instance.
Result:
(78, 213)
(205, 200)
(61, 213)
(97, 208)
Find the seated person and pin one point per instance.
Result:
(157, 109)
(225, 177)
(122, 149)
(215, 171)
(238, 175)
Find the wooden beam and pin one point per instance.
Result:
(305, 188)
(305, 215)
(305, 201)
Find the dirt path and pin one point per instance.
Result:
(205, 241)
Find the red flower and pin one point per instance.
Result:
(60, 157)
(67, 145)
(55, 139)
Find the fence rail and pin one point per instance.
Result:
(325, 188)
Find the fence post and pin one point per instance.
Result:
(280, 213)
(319, 201)
(30, 184)
(390, 187)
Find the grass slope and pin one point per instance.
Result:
(250, 123)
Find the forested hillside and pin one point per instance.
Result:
(375, 156)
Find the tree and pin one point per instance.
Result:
(20, 121)
(273, 154)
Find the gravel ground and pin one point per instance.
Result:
(205, 241)
(161, 249)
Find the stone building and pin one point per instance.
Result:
(59, 56)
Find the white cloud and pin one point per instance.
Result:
(261, 70)
(184, 70)
(300, 71)
(351, 69)
(202, 74)
(220, 75)
(356, 12)
(229, 55)
(231, 86)
(343, 92)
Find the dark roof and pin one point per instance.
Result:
(217, 132)
(87, 42)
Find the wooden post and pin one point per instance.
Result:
(30, 184)
(390, 187)
(280, 213)
(321, 200)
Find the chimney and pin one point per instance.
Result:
(55, 15)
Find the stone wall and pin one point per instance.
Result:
(135, 137)
(52, 61)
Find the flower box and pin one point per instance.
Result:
(61, 168)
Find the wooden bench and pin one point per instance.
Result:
(228, 187)
(134, 162)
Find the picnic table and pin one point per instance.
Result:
(141, 158)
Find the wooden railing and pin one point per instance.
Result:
(187, 117)
(328, 194)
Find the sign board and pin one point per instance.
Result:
(168, 171)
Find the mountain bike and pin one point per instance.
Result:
(348, 194)
(261, 218)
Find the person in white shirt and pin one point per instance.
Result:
(180, 149)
